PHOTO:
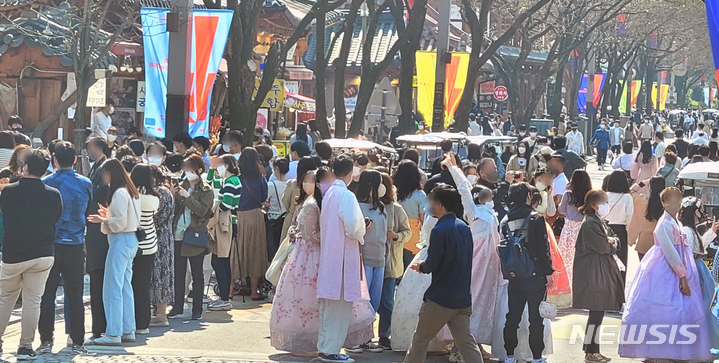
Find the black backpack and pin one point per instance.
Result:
(513, 253)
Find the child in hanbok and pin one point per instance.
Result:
(689, 216)
(666, 294)
(294, 319)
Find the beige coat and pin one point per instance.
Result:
(398, 222)
(289, 199)
(219, 228)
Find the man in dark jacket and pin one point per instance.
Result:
(448, 299)
(489, 177)
(572, 160)
(529, 291)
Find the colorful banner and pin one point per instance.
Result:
(209, 36)
(712, 7)
(662, 96)
(455, 79)
(598, 87)
(300, 103)
(636, 87)
(709, 96)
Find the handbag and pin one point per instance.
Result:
(195, 238)
(547, 310)
(278, 263)
(139, 232)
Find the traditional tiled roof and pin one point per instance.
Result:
(43, 32)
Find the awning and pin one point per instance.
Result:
(127, 48)
(300, 103)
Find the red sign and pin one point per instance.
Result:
(486, 88)
(500, 93)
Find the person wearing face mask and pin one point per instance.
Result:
(486, 271)
(520, 160)
(470, 171)
(412, 199)
(111, 140)
(616, 133)
(276, 212)
(398, 232)
(598, 283)
(700, 133)
(602, 142)
(489, 178)
(193, 208)
(232, 143)
(532, 141)
(575, 140)
(293, 327)
(361, 160)
(156, 153)
(101, 120)
(666, 292)
(369, 191)
(691, 215)
(522, 132)
(292, 189)
(13, 171)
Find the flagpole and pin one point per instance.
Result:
(179, 22)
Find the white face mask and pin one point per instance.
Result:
(540, 186)
(381, 191)
(489, 204)
(356, 171)
(112, 110)
(111, 137)
(155, 160)
(309, 188)
(522, 150)
(532, 134)
(221, 170)
(191, 176)
(542, 164)
(226, 148)
(472, 178)
(603, 209)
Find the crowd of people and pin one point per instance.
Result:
(336, 239)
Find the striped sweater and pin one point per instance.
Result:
(148, 205)
(229, 195)
(215, 181)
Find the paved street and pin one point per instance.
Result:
(242, 335)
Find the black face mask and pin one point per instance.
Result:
(492, 177)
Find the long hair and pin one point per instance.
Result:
(305, 165)
(618, 182)
(301, 133)
(118, 179)
(474, 152)
(591, 197)
(646, 152)
(580, 184)
(368, 187)
(302, 196)
(655, 208)
(144, 179)
(686, 217)
(230, 163)
(12, 164)
(250, 164)
(527, 150)
(406, 178)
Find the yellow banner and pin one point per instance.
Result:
(425, 84)
(455, 78)
(275, 99)
(662, 96)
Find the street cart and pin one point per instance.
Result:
(702, 181)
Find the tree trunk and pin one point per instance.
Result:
(369, 80)
(406, 75)
(320, 69)
(680, 84)
(649, 82)
(340, 66)
(234, 71)
(641, 70)
(556, 111)
(80, 120)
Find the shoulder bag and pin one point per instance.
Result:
(194, 238)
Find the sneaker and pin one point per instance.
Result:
(69, 341)
(197, 316)
(357, 349)
(594, 358)
(78, 349)
(108, 340)
(174, 314)
(220, 306)
(142, 331)
(155, 322)
(26, 354)
(128, 338)
(333, 358)
(372, 347)
(541, 360)
(45, 348)
(206, 299)
(189, 297)
(605, 357)
(385, 343)
(510, 360)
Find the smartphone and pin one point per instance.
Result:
(367, 221)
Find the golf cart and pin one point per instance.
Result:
(702, 181)
(369, 147)
(428, 145)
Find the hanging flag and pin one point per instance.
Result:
(599, 79)
(455, 78)
(706, 96)
(210, 29)
(662, 96)
(636, 87)
(621, 24)
(712, 8)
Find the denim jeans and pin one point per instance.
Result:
(385, 307)
(117, 295)
(375, 280)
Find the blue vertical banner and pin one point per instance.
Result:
(712, 7)
(210, 29)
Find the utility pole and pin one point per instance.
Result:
(445, 7)
(179, 25)
(590, 102)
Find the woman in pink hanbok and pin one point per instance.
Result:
(294, 320)
(666, 297)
